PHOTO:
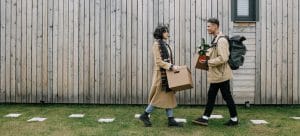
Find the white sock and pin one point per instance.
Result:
(205, 117)
(234, 119)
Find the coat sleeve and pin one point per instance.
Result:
(157, 58)
(223, 53)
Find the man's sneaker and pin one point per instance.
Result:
(231, 123)
(201, 121)
(146, 120)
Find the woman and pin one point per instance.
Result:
(161, 95)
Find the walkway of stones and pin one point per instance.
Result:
(109, 120)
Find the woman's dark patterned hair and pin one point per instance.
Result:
(159, 30)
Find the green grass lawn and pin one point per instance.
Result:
(59, 124)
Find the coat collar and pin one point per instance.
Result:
(218, 36)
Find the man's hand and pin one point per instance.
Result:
(175, 68)
(205, 62)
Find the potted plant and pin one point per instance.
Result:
(201, 55)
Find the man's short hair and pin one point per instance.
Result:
(214, 21)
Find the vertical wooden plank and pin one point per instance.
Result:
(1, 99)
(45, 52)
(39, 56)
(92, 52)
(55, 51)
(166, 12)
(285, 57)
(298, 55)
(213, 8)
(97, 50)
(86, 54)
(161, 11)
(23, 51)
(13, 51)
(139, 64)
(113, 52)
(279, 51)
(129, 51)
(134, 56)
(102, 51)
(75, 52)
(198, 35)
(65, 48)
(71, 57)
(18, 51)
(290, 52)
(7, 50)
(2, 50)
(34, 49)
(60, 49)
(258, 59)
(274, 52)
(81, 50)
(28, 50)
(269, 53)
(118, 52)
(10, 27)
(156, 13)
(193, 50)
(107, 52)
(263, 51)
(295, 50)
(50, 15)
(225, 15)
(123, 86)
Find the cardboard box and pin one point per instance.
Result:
(180, 80)
(198, 64)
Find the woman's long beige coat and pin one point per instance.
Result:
(159, 98)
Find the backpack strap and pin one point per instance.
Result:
(214, 44)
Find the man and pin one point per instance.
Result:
(219, 74)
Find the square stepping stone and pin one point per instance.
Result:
(13, 115)
(216, 116)
(106, 120)
(76, 116)
(138, 116)
(259, 122)
(180, 120)
(296, 118)
(37, 119)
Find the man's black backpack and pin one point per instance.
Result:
(237, 51)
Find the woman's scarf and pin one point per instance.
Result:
(166, 57)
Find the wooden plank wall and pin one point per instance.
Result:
(277, 54)
(99, 51)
